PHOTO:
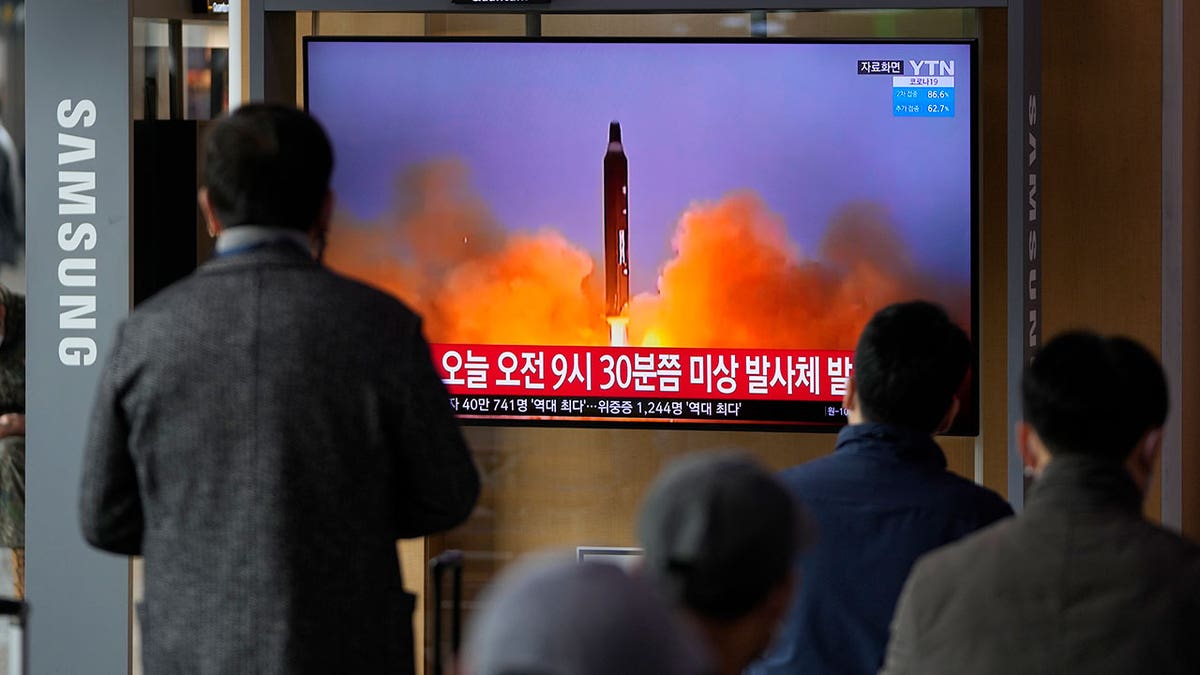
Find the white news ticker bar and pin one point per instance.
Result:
(922, 81)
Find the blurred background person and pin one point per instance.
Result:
(554, 616)
(12, 432)
(12, 200)
(720, 536)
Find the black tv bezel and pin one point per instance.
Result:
(966, 424)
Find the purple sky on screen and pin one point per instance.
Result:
(793, 122)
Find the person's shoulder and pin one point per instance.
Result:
(178, 296)
(812, 471)
(967, 494)
(953, 559)
(1168, 547)
(363, 297)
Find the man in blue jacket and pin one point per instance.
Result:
(884, 497)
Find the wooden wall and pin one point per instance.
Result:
(1102, 171)
(993, 247)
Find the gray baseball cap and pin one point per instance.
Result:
(554, 616)
(719, 532)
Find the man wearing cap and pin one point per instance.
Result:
(720, 534)
(1080, 582)
(554, 616)
(884, 496)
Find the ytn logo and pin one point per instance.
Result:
(932, 68)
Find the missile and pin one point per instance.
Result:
(616, 225)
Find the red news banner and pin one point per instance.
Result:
(644, 372)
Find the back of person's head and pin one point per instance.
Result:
(1087, 394)
(554, 616)
(720, 533)
(910, 361)
(268, 164)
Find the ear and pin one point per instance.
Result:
(1022, 431)
(1151, 446)
(326, 213)
(780, 598)
(774, 607)
(948, 419)
(848, 401)
(320, 228)
(1029, 444)
(1140, 464)
(210, 216)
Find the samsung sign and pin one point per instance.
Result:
(77, 236)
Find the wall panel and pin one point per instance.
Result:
(1102, 166)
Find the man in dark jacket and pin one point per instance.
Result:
(884, 497)
(265, 430)
(1080, 582)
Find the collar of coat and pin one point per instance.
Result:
(886, 441)
(1085, 484)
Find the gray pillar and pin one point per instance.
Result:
(77, 201)
(1172, 259)
(1024, 212)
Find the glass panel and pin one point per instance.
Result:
(204, 70)
(151, 69)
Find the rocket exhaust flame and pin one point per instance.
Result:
(618, 331)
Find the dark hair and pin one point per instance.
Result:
(909, 363)
(719, 533)
(267, 164)
(1089, 394)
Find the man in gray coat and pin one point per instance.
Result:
(1079, 582)
(265, 430)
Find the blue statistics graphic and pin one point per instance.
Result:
(923, 101)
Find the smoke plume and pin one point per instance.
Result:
(736, 280)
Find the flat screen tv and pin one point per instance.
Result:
(679, 233)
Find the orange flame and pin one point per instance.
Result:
(736, 280)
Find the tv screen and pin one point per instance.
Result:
(662, 233)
